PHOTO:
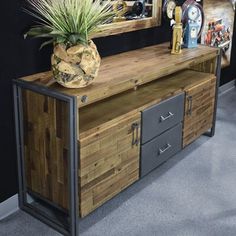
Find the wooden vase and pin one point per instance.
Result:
(76, 66)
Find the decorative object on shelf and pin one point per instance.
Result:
(192, 27)
(70, 25)
(193, 10)
(177, 38)
(168, 13)
(169, 9)
(219, 27)
(120, 8)
(76, 66)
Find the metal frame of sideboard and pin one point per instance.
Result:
(38, 211)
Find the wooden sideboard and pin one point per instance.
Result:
(77, 148)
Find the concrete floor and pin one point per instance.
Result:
(193, 193)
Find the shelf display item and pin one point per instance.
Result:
(75, 60)
(169, 9)
(192, 28)
(193, 19)
(177, 38)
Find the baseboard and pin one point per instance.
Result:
(9, 206)
(227, 87)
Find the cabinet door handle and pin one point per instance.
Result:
(135, 134)
(164, 118)
(164, 149)
(190, 105)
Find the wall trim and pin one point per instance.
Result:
(9, 206)
(227, 87)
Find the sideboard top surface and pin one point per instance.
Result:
(128, 70)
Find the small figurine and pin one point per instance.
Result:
(177, 38)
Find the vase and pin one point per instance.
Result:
(76, 66)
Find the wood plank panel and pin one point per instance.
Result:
(108, 164)
(200, 119)
(208, 66)
(46, 146)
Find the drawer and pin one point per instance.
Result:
(160, 149)
(159, 118)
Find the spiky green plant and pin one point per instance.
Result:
(68, 21)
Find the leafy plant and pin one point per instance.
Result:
(68, 21)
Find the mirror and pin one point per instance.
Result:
(132, 15)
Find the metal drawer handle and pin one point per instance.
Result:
(135, 138)
(190, 105)
(170, 114)
(162, 150)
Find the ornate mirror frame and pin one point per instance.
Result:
(132, 25)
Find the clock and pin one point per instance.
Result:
(193, 12)
(169, 9)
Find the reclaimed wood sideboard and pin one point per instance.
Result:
(78, 148)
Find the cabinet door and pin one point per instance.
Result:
(109, 162)
(199, 110)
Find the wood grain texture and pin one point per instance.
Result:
(208, 66)
(46, 146)
(100, 115)
(108, 164)
(200, 119)
(128, 70)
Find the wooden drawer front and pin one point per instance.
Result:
(199, 110)
(160, 149)
(159, 118)
(109, 163)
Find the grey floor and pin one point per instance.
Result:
(193, 193)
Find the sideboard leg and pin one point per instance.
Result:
(73, 173)
(218, 75)
(64, 221)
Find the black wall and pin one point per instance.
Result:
(21, 57)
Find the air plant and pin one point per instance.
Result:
(70, 22)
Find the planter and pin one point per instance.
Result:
(77, 66)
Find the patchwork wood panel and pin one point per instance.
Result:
(201, 117)
(208, 66)
(46, 146)
(108, 163)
